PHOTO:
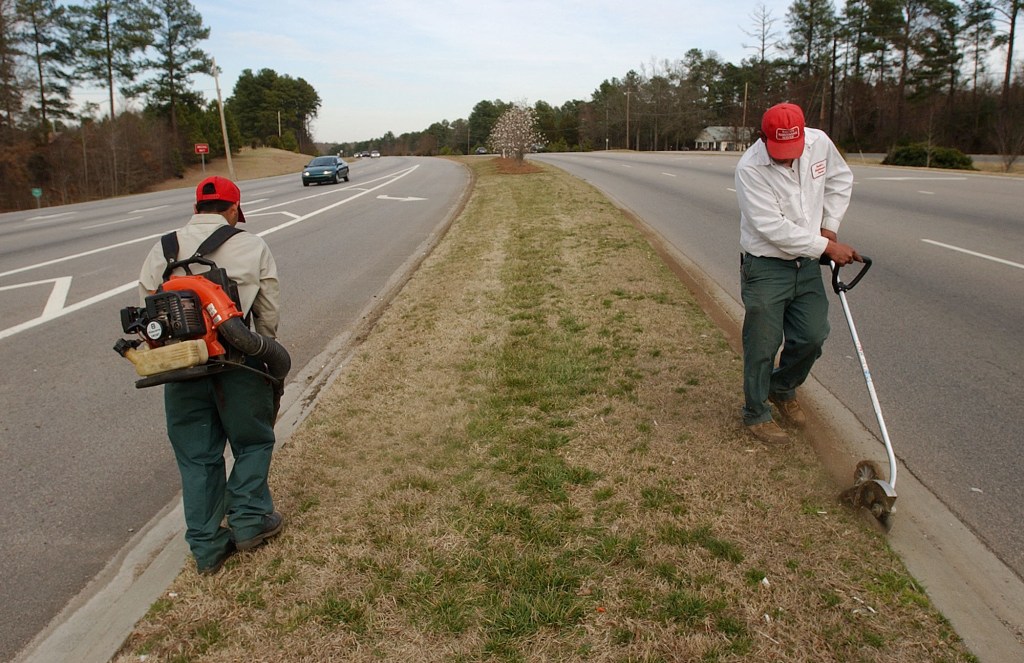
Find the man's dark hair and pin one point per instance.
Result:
(212, 206)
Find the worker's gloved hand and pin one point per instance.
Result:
(278, 392)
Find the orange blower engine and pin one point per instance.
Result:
(179, 330)
(191, 328)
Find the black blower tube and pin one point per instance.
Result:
(272, 353)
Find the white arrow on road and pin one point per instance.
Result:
(404, 200)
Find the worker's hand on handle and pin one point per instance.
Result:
(839, 253)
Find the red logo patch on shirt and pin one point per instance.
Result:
(818, 169)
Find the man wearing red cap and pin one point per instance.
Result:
(235, 406)
(793, 188)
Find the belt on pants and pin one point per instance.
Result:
(795, 262)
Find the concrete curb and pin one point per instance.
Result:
(94, 624)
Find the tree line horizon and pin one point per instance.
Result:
(874, 74)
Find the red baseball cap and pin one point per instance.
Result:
(783, 128)
(220, 188)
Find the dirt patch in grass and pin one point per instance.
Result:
(514, 167)
(537, 455)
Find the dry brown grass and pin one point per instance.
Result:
(536, 455)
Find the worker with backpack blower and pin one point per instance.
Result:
(238, 405)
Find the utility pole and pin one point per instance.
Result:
(745, 86)
(223, 124)
(627, 118)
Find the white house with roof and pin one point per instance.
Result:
(725, 139)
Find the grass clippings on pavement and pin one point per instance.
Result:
(536, 455)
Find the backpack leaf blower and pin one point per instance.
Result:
(190, 328)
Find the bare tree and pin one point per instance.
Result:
(766, 41)
(1009, 135)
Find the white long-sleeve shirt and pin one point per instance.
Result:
(783, 210)
(245, 256)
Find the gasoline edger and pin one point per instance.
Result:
(869, 489)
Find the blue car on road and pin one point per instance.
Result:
(325, 169)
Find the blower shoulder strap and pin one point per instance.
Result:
(216, 238)
(169, 242)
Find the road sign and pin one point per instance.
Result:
(202, 148)
(38, 193)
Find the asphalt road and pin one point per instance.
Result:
(84, 462)
(939, 315)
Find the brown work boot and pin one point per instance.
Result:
(768, 432)
(791, 411)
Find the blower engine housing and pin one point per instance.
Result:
(185, 308)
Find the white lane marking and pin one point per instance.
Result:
(148, 209)
(404, 200)
(52, 311)
(728, 188)
(915, 179)
(669, 174)
(975, 253)
(387, 180)
(80, 255)
(258, 200)
(29, 324)
(54, 303)
(253, 215)
(49, 216)
(58, 296)
(110, 223)
(927, 193)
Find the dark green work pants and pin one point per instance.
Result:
(784, 300)
(233, 407)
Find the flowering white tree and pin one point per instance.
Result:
(515, 133)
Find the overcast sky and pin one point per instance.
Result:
(401, 65)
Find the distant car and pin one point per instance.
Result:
(375, 154)
(324, 169)
(364, 154)
(481, 150)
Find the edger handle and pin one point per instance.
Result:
(838, 285)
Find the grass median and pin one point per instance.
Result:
(536, 454)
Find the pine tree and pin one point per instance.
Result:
(177, 31)
(46, 38)
(109, 37)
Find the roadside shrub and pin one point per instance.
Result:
(921, 155)
(558, 146)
